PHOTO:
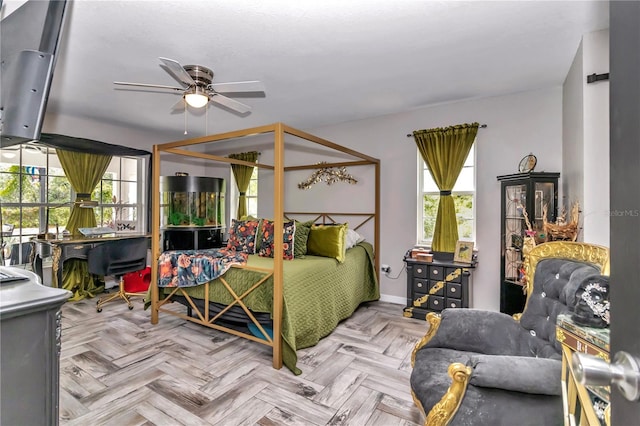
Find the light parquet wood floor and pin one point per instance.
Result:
(117, 368)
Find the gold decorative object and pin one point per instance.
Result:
(442, 413)
(330, 175)
(434, 322)
(582, 252)
(561, 230)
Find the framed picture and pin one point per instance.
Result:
(464, 252)
(124, 226)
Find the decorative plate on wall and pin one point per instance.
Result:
(528, 163)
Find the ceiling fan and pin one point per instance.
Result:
(197, 87)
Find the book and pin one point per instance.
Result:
(98, 230)
(598, 337)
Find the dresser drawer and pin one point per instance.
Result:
(420, 285)
(436, 303)
(420, 271)
(454, 290)
(76, 251)
(428, 287)
(436, 273)
(455, 278)
(452, 302)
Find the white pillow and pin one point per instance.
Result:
(352, 238)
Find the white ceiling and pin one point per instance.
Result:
(322, 61)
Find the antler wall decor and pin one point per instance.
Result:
(330, 175)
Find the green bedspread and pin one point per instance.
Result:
(318, 293)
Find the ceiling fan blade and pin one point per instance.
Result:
(178, 71)
(179, 106)
(152, 86)
(238, 86)
(230, 103)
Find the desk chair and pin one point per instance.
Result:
(118, 258)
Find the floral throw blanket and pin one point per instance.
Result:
(188, 268)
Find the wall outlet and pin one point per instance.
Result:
(385, 268)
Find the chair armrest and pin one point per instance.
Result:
(480, 331)
(517, 373)
(443, 411)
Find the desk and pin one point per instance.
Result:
(64, 249)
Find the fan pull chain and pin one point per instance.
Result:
(185, 118)
(206, 119)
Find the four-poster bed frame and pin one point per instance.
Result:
(279, 130)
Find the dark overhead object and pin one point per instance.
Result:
(597, 77)
(198, 87)
(29, 48)
(69, 143)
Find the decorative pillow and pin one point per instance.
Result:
(300, 238)
(266, 240)
(257, 219)
(328, 241)
(352, 238)
(242, 236)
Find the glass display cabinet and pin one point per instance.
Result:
(526, 197)
(192, 212)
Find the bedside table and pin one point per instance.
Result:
(583, 405)
(436, 285)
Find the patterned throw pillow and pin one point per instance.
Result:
(242, 236)
(266, 240)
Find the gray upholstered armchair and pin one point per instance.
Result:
(479, 367)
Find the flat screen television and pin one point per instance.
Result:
(29, 38)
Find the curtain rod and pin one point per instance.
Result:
(482, 126)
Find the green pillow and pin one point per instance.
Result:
(328, 241)
(300, 238)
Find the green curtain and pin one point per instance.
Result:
(445, 150)
(84, 171)
(243, 174)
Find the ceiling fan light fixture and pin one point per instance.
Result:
(196, 97)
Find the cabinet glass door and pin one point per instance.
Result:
(544, 206)
(515, 200)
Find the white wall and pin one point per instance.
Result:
(596, 140)
(586, 138)
(573, 134)
(517, 124)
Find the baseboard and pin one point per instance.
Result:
(393, 299)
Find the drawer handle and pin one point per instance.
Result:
(452, 289)
(419, 285)
(453, 305)
(435, 272)
(419, 270)
(78, 247)
(435, 302)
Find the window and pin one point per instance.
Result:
(34, 193)
(118, 194)
(251, 195)
(463, 196)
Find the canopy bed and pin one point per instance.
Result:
(289, 302)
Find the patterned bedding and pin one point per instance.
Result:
(188, 268)
(318, 293)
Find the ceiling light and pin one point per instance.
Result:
(8, 154)
(196, 97)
